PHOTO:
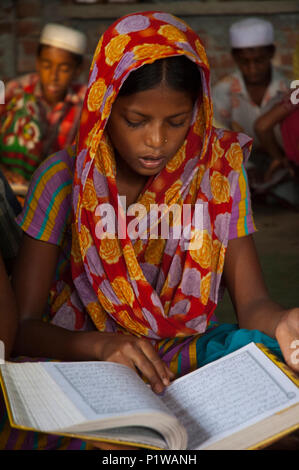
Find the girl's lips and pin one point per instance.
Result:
(151, 162)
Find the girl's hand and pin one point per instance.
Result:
(287, 335)
(137, 353)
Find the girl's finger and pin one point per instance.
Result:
(159, 365)
(148, 370)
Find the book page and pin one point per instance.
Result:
(136, 434)
(228, 395)
(104, 389)
(79, 397)
(35, 399)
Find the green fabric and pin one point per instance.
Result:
(21, 135)
(218, 341)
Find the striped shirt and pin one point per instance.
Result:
(46, 214)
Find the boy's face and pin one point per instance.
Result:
(254, 63)
(56, 68)
(147, 128)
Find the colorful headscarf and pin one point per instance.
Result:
(156, 288)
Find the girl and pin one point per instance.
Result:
(120, 292)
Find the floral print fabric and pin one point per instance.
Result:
(152, 287)
(21, 135)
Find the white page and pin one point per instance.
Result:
(36, 401)
(138, 434)
(104, 388)
(57, 397)
(228, 395)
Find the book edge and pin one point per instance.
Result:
(6, 401)
(295, 379)
(268, 441)
(282, 365)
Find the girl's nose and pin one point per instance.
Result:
(155, 137)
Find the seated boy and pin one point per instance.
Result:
(256, 85)
(42, 109)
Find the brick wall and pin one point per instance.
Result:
(22, 20)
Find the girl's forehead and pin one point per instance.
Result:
(162, 97)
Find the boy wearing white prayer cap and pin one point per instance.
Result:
(55, 102)
(240, 98)
(59, 58)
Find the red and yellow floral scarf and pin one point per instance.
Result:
(152, 287)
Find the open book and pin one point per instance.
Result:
(240, 401)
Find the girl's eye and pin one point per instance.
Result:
(133, 124)
(177, 124)
(136, 124)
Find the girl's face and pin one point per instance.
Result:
(147, 128)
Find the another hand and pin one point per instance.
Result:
(137, 353)
(287, 335)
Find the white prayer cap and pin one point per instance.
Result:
(252, 32)
(60, 36)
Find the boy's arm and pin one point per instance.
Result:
(274, 116)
